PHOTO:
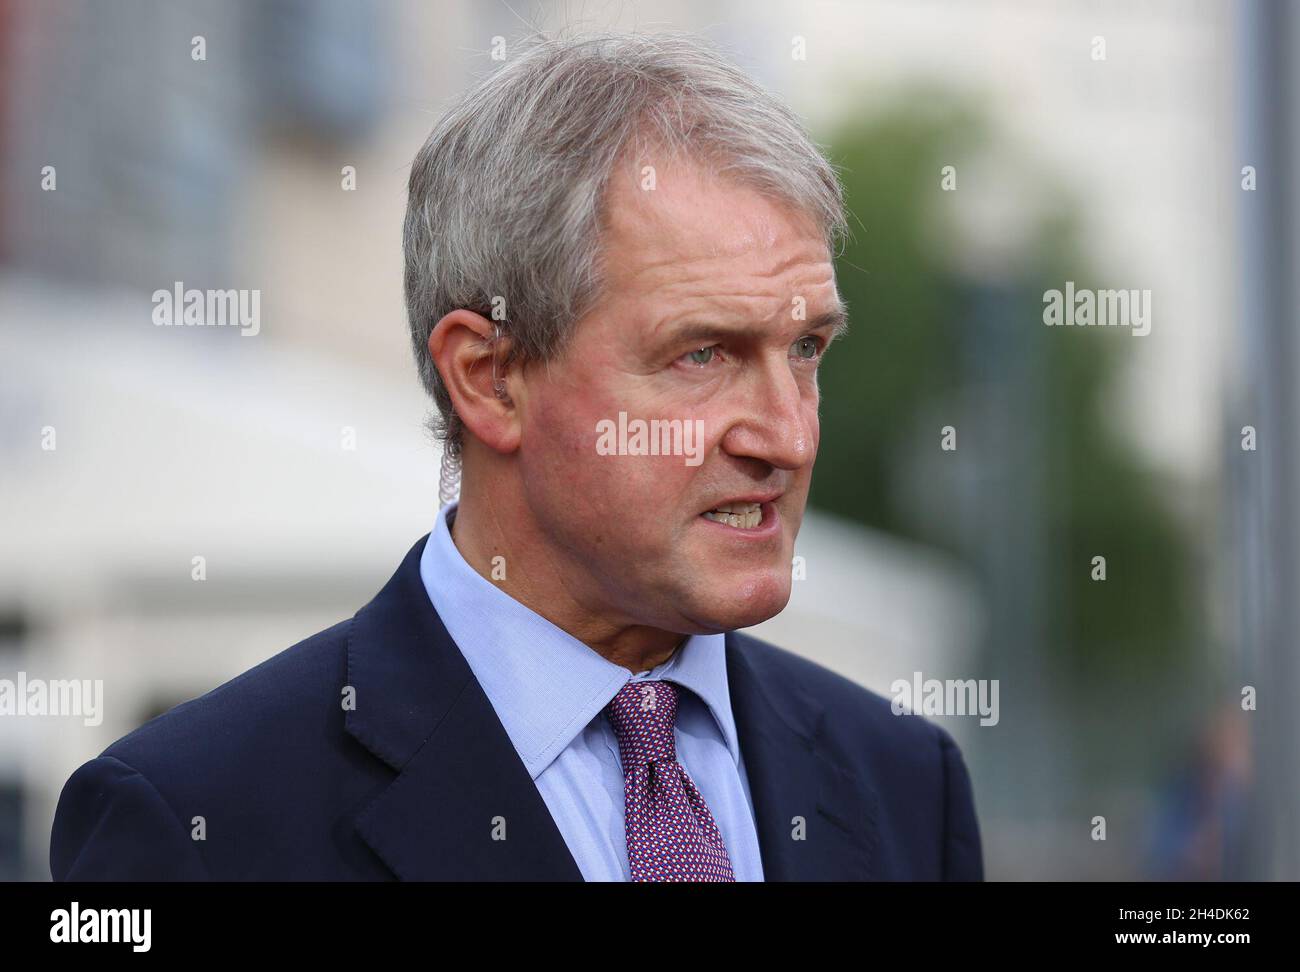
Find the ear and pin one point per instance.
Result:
(461, 345)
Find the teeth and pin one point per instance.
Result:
(746, 516)
(737, 508)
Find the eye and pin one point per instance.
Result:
(700, 356)
(807, 347)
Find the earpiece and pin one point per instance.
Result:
(498, 384)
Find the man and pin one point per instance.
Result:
(619, 283)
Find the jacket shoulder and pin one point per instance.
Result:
(849, 708)
(262, 762)
(926, 807)
(249, 709)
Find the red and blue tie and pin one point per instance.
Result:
(671, 835)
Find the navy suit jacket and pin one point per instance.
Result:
(291, 784)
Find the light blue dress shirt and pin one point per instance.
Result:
(549, 690)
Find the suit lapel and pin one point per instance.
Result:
(793, 777)
(460, 782)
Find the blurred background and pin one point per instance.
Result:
(990, 151)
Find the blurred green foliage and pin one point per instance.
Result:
(903, 358)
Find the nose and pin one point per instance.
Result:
(776, 420)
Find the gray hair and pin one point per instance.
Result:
(506, 200)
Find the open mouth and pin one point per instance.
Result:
(742, 516)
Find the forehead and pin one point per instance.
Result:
(695, 223)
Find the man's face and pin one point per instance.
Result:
(718, 305)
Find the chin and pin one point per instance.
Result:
(762, 597)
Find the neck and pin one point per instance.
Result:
(486, 527)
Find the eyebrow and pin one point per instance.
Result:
(837, 319)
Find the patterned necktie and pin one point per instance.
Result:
(671, 835)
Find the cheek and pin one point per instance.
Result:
(564, 470)
(582, 492)
(558, 448)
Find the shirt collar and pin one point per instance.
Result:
(544, 684)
